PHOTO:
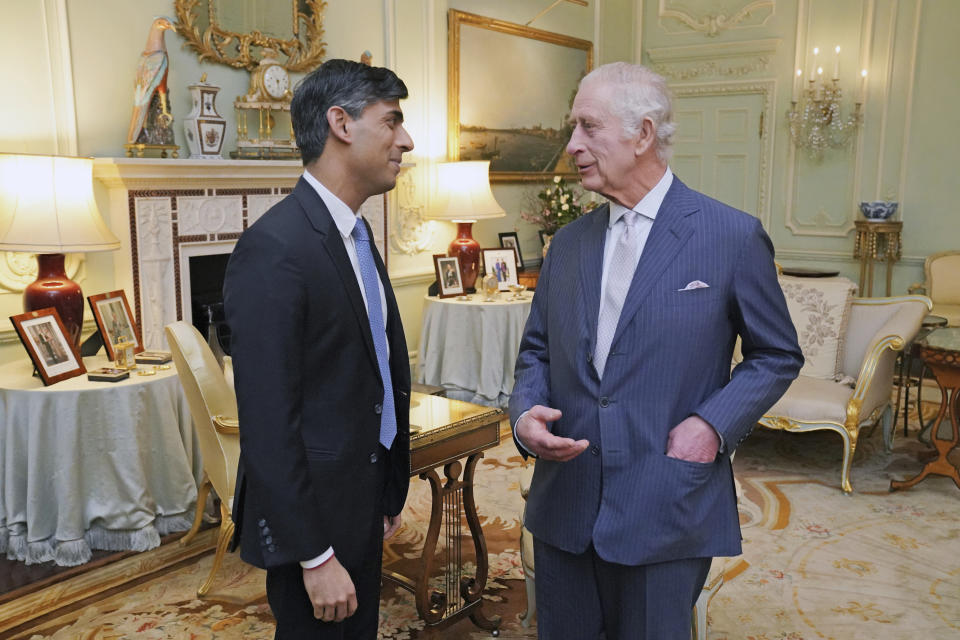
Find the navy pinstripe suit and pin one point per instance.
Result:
(670, 358)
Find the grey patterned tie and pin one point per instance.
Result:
(622, 265)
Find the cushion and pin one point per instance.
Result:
(812, 400)
(819, 308)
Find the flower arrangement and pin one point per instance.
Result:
(555, 205)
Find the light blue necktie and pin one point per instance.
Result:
(371, 286)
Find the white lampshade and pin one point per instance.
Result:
(47, 206)
(464, 192)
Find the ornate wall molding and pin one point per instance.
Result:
(411, 231)
(675, 19)
(824, 223)
(723, 59)
(766, 89)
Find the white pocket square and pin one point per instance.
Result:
(696, 284)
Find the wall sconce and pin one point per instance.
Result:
(47, 208)
(465, 197)
(814, 116)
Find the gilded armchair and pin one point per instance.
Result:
(876, 330)
(213, 406)
(942, 285)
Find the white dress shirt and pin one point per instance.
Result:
(345, 219)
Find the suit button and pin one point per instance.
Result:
(595, 450)
(272, 548)
(265, 530)
(378, 408)
(604, 402)
(262, 522)
(373, 458)
(268, 540)
(589, 357)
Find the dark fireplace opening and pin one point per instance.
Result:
(206, 300)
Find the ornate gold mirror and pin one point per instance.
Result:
(235, 32)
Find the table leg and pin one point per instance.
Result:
(940, 466)
(458, 595)
(870, 279)
(889, 275)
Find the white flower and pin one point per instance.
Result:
(547, 192)
(565, 207)
(556, 179)
(564, 197)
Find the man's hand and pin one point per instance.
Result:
(331, 591)
(533, 434)
(693, 440)
(390, 525)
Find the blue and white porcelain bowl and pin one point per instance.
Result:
(878, 210)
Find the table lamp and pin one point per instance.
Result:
(465, 197)
(47, 208)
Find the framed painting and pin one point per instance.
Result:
(449, 282)
(115, 321)
(509, 240)
(510, 89)
(503, 264)
(45, 339)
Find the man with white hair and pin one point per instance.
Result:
(623, 385)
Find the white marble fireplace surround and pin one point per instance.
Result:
(166, 210)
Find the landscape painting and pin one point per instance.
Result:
(511, 92)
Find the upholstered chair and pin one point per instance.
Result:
(942, 285)
(875, 330)
(213, 406)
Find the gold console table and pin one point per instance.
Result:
(451, 435)
(876, 242)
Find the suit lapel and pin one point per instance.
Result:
(670, 232)
(321, 220)
(591, 268)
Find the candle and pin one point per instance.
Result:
(836, 64)
(813, 67)
(798, 85)
(863, 86)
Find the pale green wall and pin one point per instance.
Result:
(906, 152)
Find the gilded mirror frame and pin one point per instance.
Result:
(303, 51)
(456, 22)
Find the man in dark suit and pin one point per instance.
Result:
(321, 367)
(623, 385)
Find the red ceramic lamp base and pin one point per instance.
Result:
(467, 250)
(53, 288)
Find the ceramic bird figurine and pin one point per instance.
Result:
(151, 118)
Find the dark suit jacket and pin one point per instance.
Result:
(309, 389)
(670, 358)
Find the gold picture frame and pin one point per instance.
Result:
(305, 49)
(520, 105)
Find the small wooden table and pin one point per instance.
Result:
(442, 433)
(941, 353)
(876, 242)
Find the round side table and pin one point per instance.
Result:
(940, 352)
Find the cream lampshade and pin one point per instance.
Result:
(464, 196)
(47, 207)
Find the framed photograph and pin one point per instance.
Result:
(525, 137)
(115, 321)
(509, 240)
(503, 264)
(449, 283)
(45, 339)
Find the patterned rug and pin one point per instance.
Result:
(816, 563)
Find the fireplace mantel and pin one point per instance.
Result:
(156, 173)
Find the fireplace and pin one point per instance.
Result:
(182, 219)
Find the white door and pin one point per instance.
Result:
(717, 147)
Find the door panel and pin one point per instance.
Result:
(717, 147)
